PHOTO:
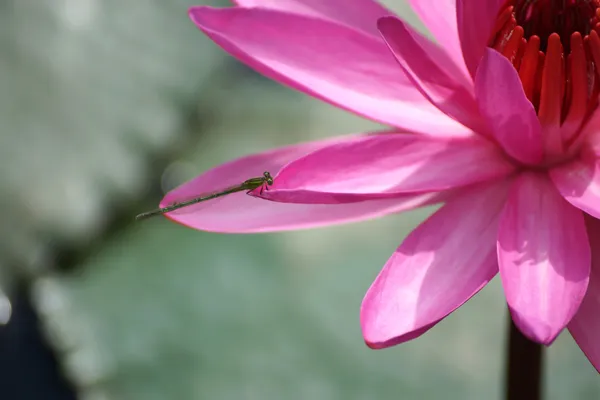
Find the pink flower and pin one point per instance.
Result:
(498, 122)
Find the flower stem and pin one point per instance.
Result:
(523, 366)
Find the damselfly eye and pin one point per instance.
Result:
(268, 178)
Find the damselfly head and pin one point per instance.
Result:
(268, 178)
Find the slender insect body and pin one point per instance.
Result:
(248, 185)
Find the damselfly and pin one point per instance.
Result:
(248, 185)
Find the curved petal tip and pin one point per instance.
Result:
(544, 258)
(435, 270)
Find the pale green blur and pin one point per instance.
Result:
(108, 98)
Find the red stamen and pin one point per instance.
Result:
(593, 51)
(551, 96)
(512, 44)
(538, 78)
(594, 46)
(555, 47)
(520, 53)
(544, 17)
(502, 19)
(505, 34)
(578, 93)
(529, 62)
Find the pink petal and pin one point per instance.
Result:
(544, 257)
(579, 183)
(357, 14)
(587, 140)
(510, 114)
(439, 16)
(440, 265)
(476, 20)
(241, 213)
(589, 137)
(385, 165)
(432, 71)
(332, 62)
(585, 325)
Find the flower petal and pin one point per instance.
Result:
(432, 71)
(509, 113)
(332, 62)
(476, 19)
(241, 213)
(357, 14)
(589, 137)
(385, 165)
(579, 183)
(544, 257)
(585, 325)
(440, 265)
(439, 17)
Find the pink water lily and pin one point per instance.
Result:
(497, 120)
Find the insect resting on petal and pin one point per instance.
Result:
(498, 121)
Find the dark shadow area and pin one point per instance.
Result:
(28, 368)
(523, 367)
